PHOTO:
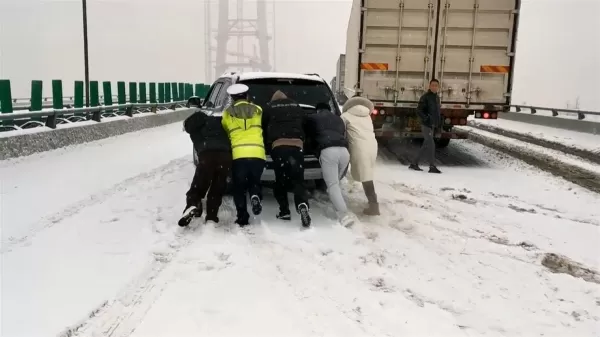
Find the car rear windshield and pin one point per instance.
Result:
(304, 92)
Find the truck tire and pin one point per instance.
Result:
(441, 143)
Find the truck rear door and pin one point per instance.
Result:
(398, 43)
(474, 49)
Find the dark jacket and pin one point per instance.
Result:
(326, 129)
(206, 133)
(283, 118)
(429, 109)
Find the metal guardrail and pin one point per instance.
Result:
(54, 117)
(555, 112)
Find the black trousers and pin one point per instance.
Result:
(288, 164)
(245, 176)
(211, 176)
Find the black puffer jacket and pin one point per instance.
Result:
(326, 129)
(429, 109)
(207, 133)
(283, 118)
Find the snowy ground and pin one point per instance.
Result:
(585, 141)
(457, 254)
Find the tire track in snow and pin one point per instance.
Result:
(113, 317)
(97, 198)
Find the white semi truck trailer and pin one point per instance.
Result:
(395, 47)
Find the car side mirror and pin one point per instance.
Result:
(194, 102)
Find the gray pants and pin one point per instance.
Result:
(428, 147)
(334, 164)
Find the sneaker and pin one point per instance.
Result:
(415, 167)
(256, 205)
(433, 169)
(304, 214)
(347, 220)
(189, 213)
(284, 215)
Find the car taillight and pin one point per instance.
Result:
(374, 112)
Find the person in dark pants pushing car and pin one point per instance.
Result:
(284, 122)
(214, 164)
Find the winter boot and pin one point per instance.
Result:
(190, 213)
(372, 209)
(433, 169)
(415, 167)
(242, 222)
(304, 214)
(284, 215)
(256, 205)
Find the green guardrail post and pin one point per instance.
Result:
(57, 94)
(167, 92)
(143, 96)
(181, 91)
(133, 92)
(36, 96)
(121, 94)
(174, 92)
(152, 93)
(94, 94)
(161, 93)
(206, 89)
(197, 89)
(5, 100)
(107, 91)
(189, 91)
(78, 102)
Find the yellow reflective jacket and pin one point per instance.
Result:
(243, 122)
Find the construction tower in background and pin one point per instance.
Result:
(241, 39)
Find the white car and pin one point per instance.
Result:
(306, 89)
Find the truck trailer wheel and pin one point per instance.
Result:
(441, 143)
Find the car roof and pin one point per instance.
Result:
(260, 75)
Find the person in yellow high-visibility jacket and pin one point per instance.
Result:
(242, 121)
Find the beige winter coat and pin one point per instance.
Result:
(361, 138)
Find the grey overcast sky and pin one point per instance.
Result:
(558, 56)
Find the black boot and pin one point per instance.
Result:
(415, 167)
(433, 169)
(190, 213)
(284, 215)
(256, 205)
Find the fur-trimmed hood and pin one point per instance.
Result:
(358, 106)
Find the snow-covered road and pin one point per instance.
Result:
(96, 250)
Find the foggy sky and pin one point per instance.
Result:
(558, 57)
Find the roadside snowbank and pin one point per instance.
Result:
(585, 141)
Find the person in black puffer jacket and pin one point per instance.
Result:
(430, 116)
(284, 121)
(329, 134)
(213, 147)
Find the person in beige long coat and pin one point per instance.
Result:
(362, 146)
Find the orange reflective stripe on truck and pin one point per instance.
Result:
(374, 66)
(494, 69)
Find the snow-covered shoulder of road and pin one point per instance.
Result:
(463, 250)
(528, 147)
(41, 189)
(580, 140)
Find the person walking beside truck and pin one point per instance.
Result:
(429, 113)
(284, 121)
(329, 134)
(214, 163)
(242, 121)
(363, 147)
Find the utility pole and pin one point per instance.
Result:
(85, 55)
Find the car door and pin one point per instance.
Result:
(210, 105)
